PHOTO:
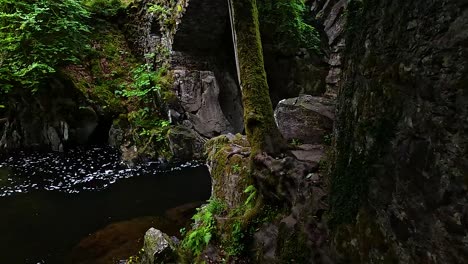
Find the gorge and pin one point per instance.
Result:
(326, 131)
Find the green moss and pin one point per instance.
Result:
(105, 69)
(351, 173)
(292, 247)
(234, 226)
(369, 112)
(354, 21)
(111, 77)
(358, 241)
(106, 8)
(235, 244)
(240, 141)
(260, 126)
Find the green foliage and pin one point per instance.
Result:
(159, 10)
(145, 83)
(136, 259)
(147, 92)
(240, 230)
(204, 227)
(105, 8)
(38, 36)
(166, 13)
(183, 231)
(236, 244)
(283, 22)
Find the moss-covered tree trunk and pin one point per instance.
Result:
(261, 129)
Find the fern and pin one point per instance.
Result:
(252, 191)
(204, 226)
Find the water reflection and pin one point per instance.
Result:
(77, 170)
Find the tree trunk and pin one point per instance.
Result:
(261, 129)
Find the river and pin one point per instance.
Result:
(84, 206)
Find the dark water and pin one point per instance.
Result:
(49, 202)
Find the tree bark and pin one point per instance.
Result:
(260, 126)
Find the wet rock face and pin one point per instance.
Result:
(299, 235)
(399, 186)
(49, 120)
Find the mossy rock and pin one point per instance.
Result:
(185, 143)
(228, 159)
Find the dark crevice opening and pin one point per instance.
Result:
(100, 135)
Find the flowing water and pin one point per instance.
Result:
(84, 206)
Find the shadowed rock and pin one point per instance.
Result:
(203, 26)
(305, 118)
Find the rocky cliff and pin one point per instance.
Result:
(331, 19)
(399, 179)
(60, 117)
(191, 39)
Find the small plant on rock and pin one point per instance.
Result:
(252, 191)
(236, 168)
(203, 228)
(295, 142)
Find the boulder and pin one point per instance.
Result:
(158, 247)
(116, 135)
(117, 241)
(198, 93)
(130, 153)
(185, 143)
(305, 118)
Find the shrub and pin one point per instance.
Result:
(38, 36)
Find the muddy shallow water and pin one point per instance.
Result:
(83, 206)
